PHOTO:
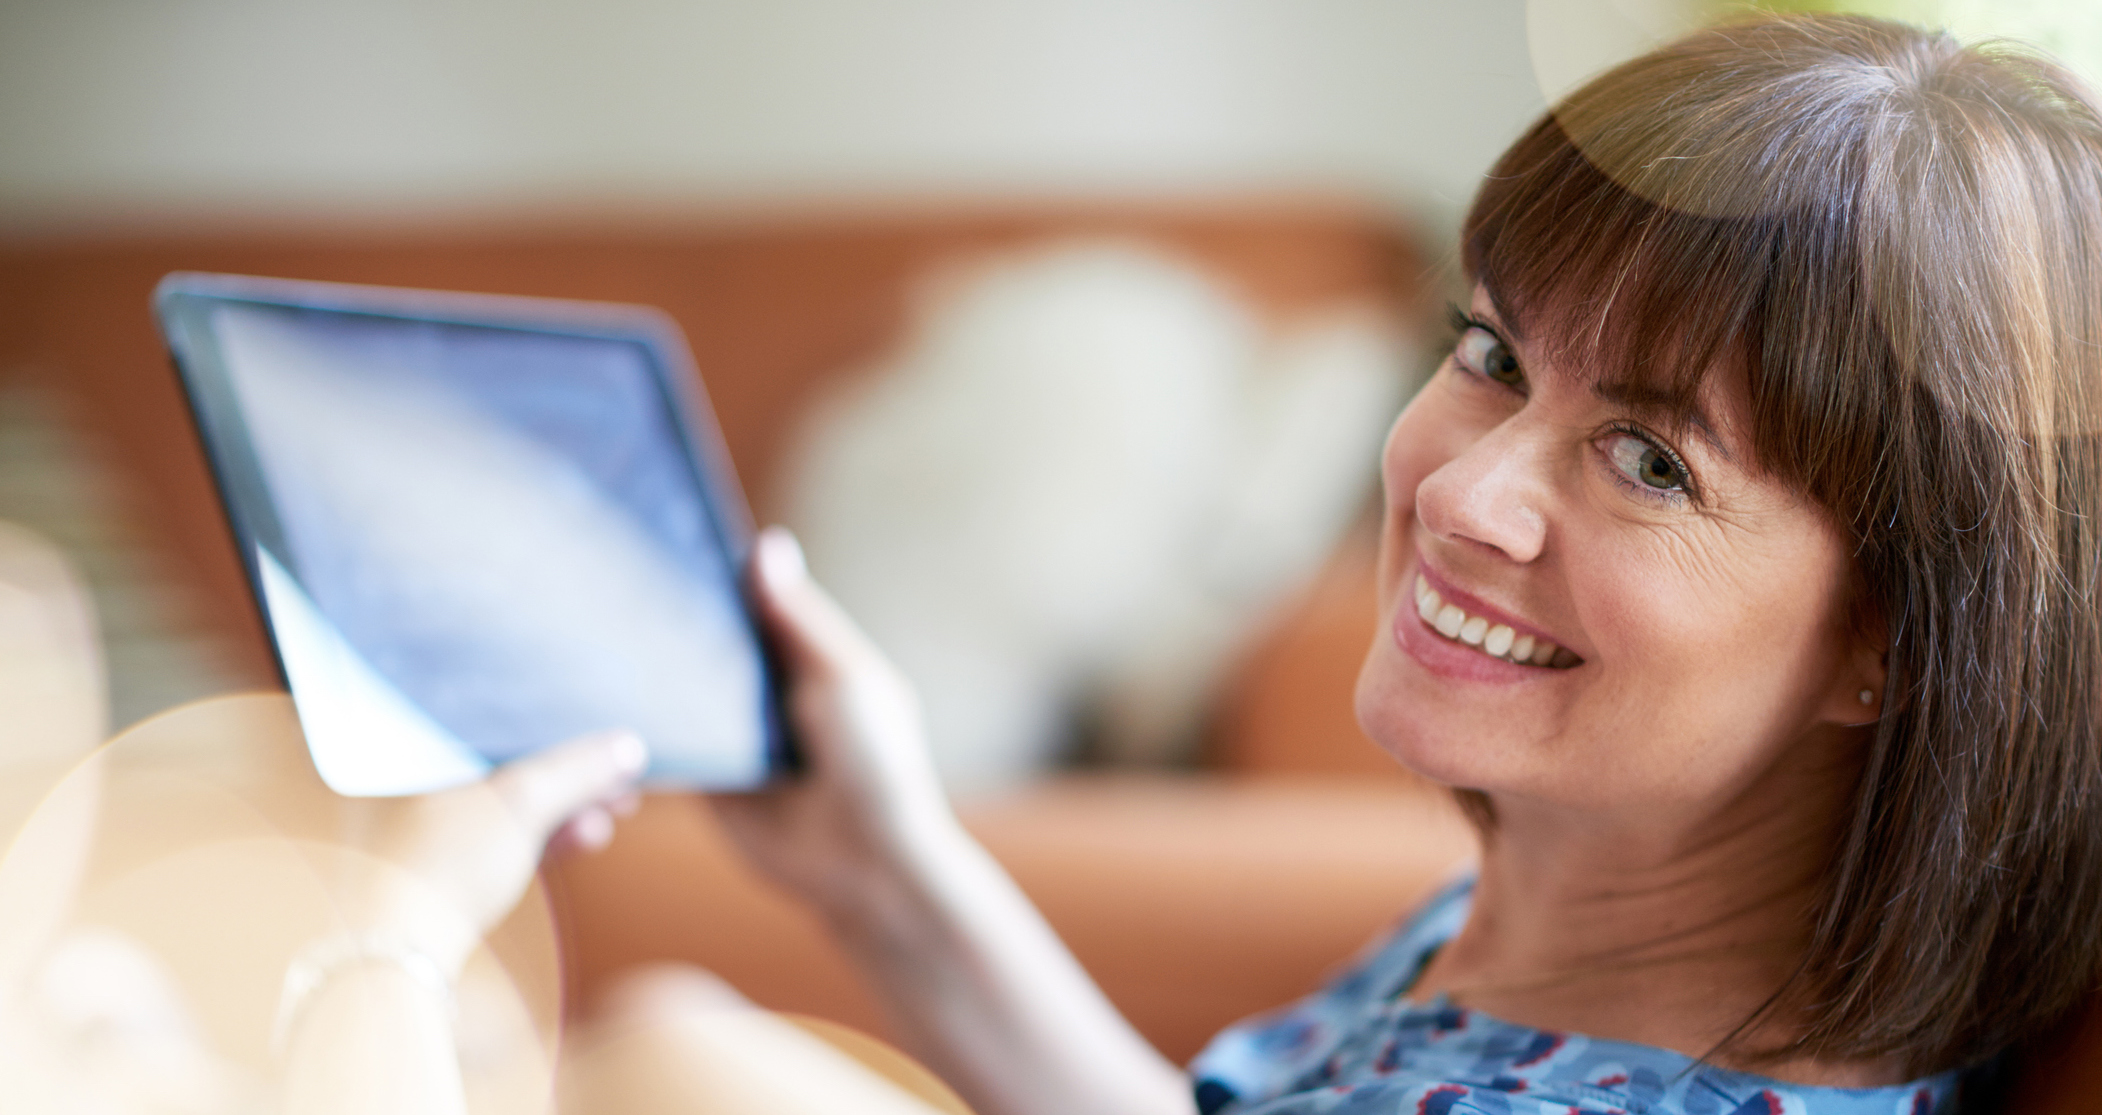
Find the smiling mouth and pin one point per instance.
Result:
(1493, 639)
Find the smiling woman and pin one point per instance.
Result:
(1775, 408)
(1741, 572)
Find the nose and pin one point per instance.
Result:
(1494, 494)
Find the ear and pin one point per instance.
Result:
(1864, 670)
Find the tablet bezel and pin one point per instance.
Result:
(184, 303)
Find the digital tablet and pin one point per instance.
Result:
(477, 526)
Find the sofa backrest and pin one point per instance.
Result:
(772, 308)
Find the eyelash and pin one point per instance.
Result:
(1461, 321)
(1690, 492)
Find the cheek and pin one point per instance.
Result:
(1430, 433)
(1722, 605)
(1413, 451)
(1718, 654)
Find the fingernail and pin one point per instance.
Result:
(630, 754)
(783, 556)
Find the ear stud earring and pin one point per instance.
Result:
(1867, 696)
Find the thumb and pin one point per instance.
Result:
(547, 788)
(809, 629)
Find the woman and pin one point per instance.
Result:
(1739, 571)
(1740, 568)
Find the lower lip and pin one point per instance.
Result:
(1448, 659)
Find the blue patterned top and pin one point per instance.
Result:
(1358, 1047)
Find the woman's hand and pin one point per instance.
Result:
(441, 870)
(981, 988)
(423, 879)
(867, 807)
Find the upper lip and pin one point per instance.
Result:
(1475, 606)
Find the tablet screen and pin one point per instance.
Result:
(486, 540)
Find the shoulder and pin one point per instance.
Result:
(1407, 1094)
(1464, 1063)
(1360, 1046)
(1263, 1055)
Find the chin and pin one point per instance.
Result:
(1414, 729)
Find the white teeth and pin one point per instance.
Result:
(1449, 621)
(1498, 641)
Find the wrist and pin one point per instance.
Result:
(898, 892)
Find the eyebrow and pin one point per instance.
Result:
(1504, 316)
(1675, 411)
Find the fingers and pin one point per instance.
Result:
(810, 630)
(589, 831)
(592, 829)
(568, 780)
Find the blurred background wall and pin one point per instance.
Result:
(302, 108)
(128, 108)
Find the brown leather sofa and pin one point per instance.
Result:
(1195, 897)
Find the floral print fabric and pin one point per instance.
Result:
(1360, 1047)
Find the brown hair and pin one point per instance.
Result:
(1896, 237)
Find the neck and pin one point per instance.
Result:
(1668, 927)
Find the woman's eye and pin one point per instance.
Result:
(1485, 354)
(1647, 463)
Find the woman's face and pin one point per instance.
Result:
(1627, 613)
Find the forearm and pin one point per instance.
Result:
(982, 988)
(990, 996)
